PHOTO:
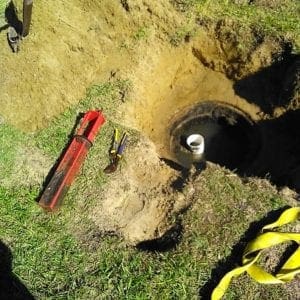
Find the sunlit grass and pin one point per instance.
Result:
(3, 4)
(281, 20)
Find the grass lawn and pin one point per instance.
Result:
(64, 256)
(278, 18)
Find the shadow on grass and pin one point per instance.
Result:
(179, 183)
(165, 243)
(12, 18)
(10, 286)
(230, 262)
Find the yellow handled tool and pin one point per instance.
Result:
(115, 145)
(116, 151)
(254, 250)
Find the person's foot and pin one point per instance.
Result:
(13, 39)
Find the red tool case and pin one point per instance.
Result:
(71, 161)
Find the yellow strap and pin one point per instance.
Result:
(288, 216)
(254, 249)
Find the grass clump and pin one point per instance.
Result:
(10, 140)
(184, 5)
(184, 33)
(3, 5)
(141, 34)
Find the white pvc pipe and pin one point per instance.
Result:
(195, 143)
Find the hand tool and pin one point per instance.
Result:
(71, 161)
(115, 145)
(13, 39)
(15, 34)
(116, 152)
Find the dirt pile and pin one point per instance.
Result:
(71, 45)
(141, 200)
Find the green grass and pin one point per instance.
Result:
(64, 256)
(106, 97)
(54, 263)
(10, 140)
(3, 4)
(283, 20)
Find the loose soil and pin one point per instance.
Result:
(73, 44)
(76, 43)
(140, 200)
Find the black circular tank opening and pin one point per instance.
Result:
(231, 138)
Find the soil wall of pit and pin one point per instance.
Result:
(167, 82)
(217, 65)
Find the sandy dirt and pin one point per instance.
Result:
(141, 199)
(73, 44)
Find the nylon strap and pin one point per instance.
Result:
(254, 250)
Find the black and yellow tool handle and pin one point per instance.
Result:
(115, 144)
(122, 145)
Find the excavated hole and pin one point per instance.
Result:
(231, 137)
(266, 148)
(239, 102)
(249, 124)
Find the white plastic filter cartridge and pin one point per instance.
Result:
(195, 143)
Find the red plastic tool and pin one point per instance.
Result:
(71, 162)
